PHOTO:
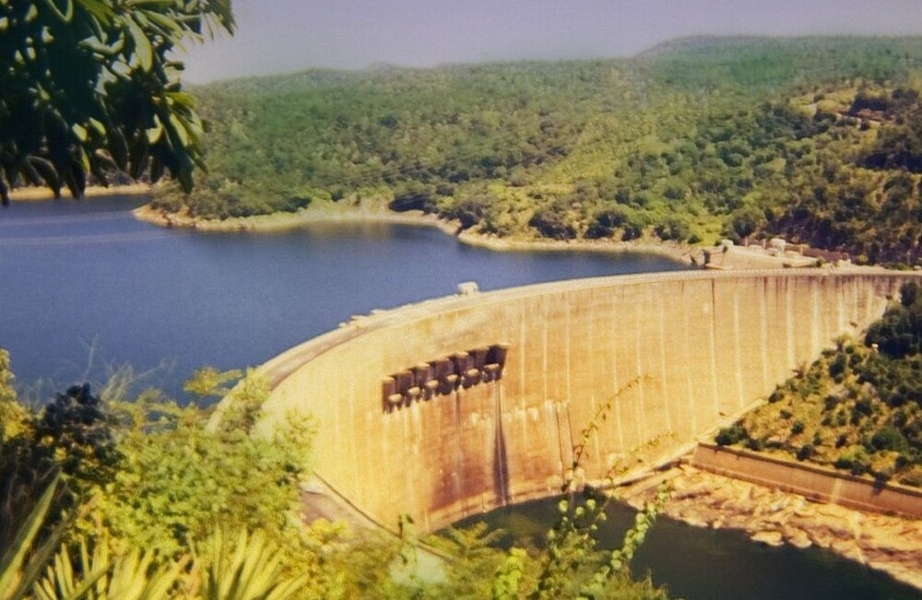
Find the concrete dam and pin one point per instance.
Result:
(456, 406)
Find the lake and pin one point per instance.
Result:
(87, 288)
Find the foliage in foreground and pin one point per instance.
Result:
(858, 408)
(91, 87)
(150, 503)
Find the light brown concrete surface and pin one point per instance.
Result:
(701, 345)
(811, 481)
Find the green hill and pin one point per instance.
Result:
(816, 139)
(856, 408)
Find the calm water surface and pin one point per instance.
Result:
(84, 287)
(707, 564)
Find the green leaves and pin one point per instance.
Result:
(178, 478)
(208, 381)
(247, 567)
(143, 49)
(86, 80)
(16, 576)
(66, 14)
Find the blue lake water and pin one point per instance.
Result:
(85, 288)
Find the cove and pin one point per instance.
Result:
(87, 288)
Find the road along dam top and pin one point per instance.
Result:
(456, 406)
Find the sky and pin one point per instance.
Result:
(278, 36)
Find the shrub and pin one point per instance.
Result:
(550, 223)
(471, 210)
(776, 396)
(606, 221)
(755, 444)
(732, 435)
(838, 367)
(417, 198)
(889, 438)
(673, 228)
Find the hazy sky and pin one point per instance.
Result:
(288, 35)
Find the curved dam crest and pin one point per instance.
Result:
(460, 405)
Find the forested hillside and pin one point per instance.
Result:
(856, 408)
(817, 139)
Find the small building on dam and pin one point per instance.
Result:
(459, 405)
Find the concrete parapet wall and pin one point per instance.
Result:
(808, 480)
(699, 345)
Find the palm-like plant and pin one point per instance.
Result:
(22, 565)
(100, 576)
(247, 567)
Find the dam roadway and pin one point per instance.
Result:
(459, 405)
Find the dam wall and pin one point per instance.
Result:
(811, 481)
(460, 405)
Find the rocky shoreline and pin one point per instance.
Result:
(375, 211)
(43, 194)
(886, 543)
(336, 213)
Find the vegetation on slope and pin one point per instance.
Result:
(814, 139)
(858, 408)
(101, 498)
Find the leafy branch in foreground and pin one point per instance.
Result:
(571, 543)
(22, 559)
(92, 86)
(179, 477)
(247, 566)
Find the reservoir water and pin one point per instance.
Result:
(85, 288)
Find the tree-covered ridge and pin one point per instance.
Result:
(692, 141)
(858, 408)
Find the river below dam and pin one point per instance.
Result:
(710, 564)
(85, 288)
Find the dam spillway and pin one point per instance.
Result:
(456, 406)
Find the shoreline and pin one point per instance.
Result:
(884, 543)
(43, 194)
(374, 212)
(334, 213)
(728, 258)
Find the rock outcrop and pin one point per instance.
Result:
(886, 543)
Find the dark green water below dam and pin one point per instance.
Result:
(707, 564)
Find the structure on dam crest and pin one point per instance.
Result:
(460, 405)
